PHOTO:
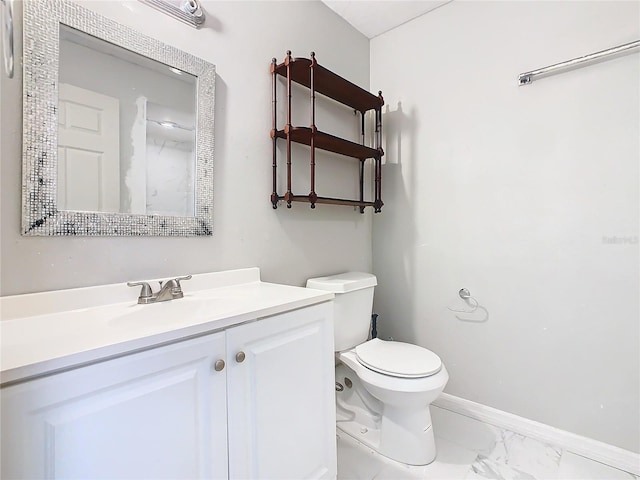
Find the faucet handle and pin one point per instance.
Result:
(145, 292)
(175, 282)
(177, 279)
(178, 287)
(174, 285)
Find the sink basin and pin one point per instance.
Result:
(197, 308)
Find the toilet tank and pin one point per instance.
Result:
(353, 305)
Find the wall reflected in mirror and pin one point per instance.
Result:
(126, 131)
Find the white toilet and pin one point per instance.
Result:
(383, 388)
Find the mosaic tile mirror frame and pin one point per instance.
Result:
(43, 214)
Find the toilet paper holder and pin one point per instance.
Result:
(465, 295)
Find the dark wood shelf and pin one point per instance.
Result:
(327, 142)
(328, 201)
(308, 73)
(329, 84)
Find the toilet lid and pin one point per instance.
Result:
(398, 359)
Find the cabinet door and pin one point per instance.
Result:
(156, 414)
(281, 397)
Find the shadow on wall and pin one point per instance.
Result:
(396, 235)
(212, 22)
(471, 311)
(394, 232)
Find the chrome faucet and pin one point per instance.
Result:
(169, 290)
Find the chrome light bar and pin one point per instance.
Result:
(188, 11)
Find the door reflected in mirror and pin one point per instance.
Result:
(126, 131)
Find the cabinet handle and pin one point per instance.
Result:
(219, 365)
(240, 356)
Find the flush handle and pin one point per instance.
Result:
(240, 356)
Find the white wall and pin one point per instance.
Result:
(516, 193)
(240, 38)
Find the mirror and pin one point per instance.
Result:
(118, 129)
(126, 130)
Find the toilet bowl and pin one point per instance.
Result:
(401, 420)
(383, 388)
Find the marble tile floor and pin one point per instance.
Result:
(472, 450)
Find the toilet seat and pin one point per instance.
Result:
(398, 359)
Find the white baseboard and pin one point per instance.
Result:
(586, 447)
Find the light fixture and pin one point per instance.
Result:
(188, 11)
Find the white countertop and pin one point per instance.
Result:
(45, 332)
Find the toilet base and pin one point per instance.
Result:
(403, 434)
(407, 437)
(357, 460)
(421, 450)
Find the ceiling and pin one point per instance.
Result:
(373, 18)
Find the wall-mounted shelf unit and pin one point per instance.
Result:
(308, 73)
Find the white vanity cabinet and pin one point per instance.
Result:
(160, 413)
(281, 387)
(177, 411)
